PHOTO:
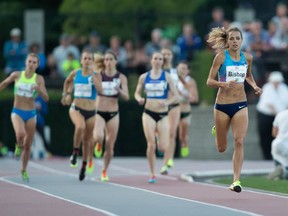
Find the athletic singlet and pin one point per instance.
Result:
(156, 88)
(233, 70)
(84, 86)
(174, 75)
(183, 90)
(23, 86)
(109, 85)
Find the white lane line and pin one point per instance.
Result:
(190, 179)
(256, 191)
(184, 199)
(42, 167)
(58, 197)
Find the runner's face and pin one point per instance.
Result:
(86, 59)
(109, 61)
(167, 54)
(183, 69)
(234, 40)
(31, 63)
(157, 60)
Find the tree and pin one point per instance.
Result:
(127, 18)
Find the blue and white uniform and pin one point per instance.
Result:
(84, 86)
(156, 88)
(232, 70)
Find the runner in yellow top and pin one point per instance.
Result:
(27, 85)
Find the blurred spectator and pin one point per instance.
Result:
(15, 51)
(155, 43)
(50, 69)
(141, 59)
(258, 39)
(273, 100)
(115, 46)
(130, 52)
(218, 18)
(279, 40)
(274, 41)
(281, 12)
(70, 64)
(35, 48)
(189, 42)
(60, 53)
(95, 45)
(167, 43)
(280, 146)
(258, 45)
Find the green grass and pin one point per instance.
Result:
(259, 182)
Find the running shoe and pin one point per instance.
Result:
(25, 176)
(17, 152)
(82, 174)
(152, 180)
(98, 150)
(164, 170)
(213, 131)
(90, 167)
(104, 177)
(184, 151)
(73, 161)
(236, 186)
(170, 163)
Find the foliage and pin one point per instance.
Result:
(124, 17)
(200, 70)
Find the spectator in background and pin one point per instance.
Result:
(15, 52)
(155, 43)
(115, 47)
(35, 48)
(70, 64)
(141, 59)
(279, 41)
(258, 45)
(218, 18)
(281, 12)
(130, 53)
(60, 53)
(189, 42)
(166, 43)
(95, 45)
(258, 39)
(273, 100)
(50, 69)
(274, 40)
(280, 146)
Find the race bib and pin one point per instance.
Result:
(109, 87)
(155, 89)
(83, 90)
(236, 73)
(25, 90)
